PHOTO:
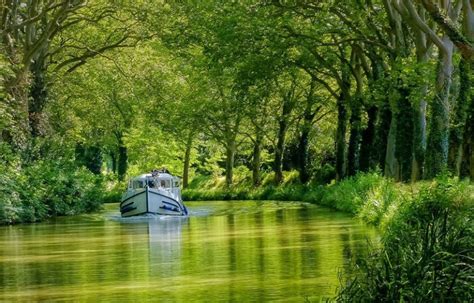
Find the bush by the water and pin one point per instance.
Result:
(46, 188)
(427, 251)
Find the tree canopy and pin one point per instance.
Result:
(325, 88)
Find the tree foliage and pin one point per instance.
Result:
(325, 88)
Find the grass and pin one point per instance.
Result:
(367, 196)
(427, 253)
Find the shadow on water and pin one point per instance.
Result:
(224, 251)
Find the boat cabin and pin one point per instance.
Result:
(161, 180)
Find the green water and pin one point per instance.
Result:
(225, 251)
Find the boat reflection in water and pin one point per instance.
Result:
(164, 238)
(156, 243)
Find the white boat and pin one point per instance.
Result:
(156, 193)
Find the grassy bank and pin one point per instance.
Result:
(368, 196)
(427, 251)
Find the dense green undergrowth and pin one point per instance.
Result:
(46, 188)
(368, 196)
(426, 253)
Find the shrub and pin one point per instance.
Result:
(351, 194)
(378, 200)
(324, 174)
(427, 252)
(10, 201)
(113, 191)
(367, 194)
(47, 188)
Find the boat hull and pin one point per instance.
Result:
(150, 201)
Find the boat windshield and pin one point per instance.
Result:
(154, 183)
(137, 184)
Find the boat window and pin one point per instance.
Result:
(165, 183)
(176, 183)
(151, 183)
(137, 184)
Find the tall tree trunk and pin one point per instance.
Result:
(419, 119)
(419, 139)
(16, 130)
(14, 127)
(287, 108)
(369, 153)
(467, 154)
(229, 161)
(341, 133)
(382, 133)
(467, 159)
(404, 135)
(391, 165)
(438, 139)
(368, 146)
(256, 160)
(469, 149)
(279, 151)
(187, 160)
(457, 130)
(303, 147)
(122, 161)
(113, 158)
(38, 95)
(95, 159)
(353, 152)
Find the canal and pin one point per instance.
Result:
(240, 251)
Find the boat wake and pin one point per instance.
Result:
(213, 209)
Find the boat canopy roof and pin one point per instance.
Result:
(159, 176)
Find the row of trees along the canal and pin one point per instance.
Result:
(266, 84)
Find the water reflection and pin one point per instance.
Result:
(225, 251)
(164, 250)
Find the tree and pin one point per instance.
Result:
(39, 34)
(437, 149)
(447, 23)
